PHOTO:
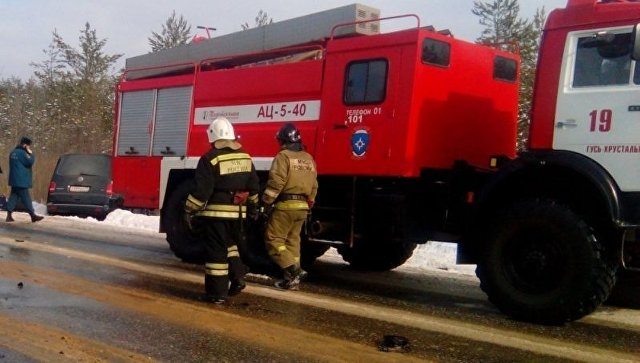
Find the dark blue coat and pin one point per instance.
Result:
(20, 163)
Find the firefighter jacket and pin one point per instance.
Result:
(20, 163)
(292, 183)
(225, 182)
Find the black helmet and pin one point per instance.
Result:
(288, 134)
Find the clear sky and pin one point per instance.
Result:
(26, 26)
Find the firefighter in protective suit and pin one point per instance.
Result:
(226, 186)
(290, 193)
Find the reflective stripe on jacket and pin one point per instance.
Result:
(221, 172)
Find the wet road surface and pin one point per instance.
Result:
(87, 292)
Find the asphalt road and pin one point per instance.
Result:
(87, 292)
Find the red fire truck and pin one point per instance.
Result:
(414, 134)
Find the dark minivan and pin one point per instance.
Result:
(81, 185)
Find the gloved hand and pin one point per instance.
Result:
(311, 203)
(265, 211)
(188, 220)
(253, 211)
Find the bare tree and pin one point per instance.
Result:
(261, 19)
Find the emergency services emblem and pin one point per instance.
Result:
(359, 142)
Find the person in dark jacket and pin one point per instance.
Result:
(21, 159)
(226, 186)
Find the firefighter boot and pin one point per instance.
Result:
(9, 217)
(35, 218)
(292, 277)
(213, 299)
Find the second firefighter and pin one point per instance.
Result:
(290, 193)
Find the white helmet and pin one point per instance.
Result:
(220, 129)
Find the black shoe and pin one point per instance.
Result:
(293, 275)
(282, 284)
(36, 218)
(302, 275)
(213, 299)
(9, 217)
(236, 287)
(287, 284)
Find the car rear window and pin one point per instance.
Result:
(85, 165)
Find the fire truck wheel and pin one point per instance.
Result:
(542, 263)
(182, 241)
(253, 251)
(377, 255)
(380, 242)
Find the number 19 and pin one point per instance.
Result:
(603, 122)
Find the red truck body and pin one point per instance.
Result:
(427, 119)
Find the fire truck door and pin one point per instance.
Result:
(598, 106)
(358, 112)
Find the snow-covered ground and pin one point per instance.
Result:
(429, 256)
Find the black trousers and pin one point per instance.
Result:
(223, 263)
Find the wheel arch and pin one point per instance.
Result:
(562, 176)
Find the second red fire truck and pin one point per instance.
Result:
(414, 135)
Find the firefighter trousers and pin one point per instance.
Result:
(223, 258)
(282, 236)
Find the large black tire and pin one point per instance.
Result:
(183, 242)
(380, 244)
(542, 263)
(254, 252)
(377, 255)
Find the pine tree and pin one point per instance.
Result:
(89, 63)
(504, 27)
(175, 32)
(76, 94)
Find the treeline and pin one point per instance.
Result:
(67, 105)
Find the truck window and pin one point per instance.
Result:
(505, 69)
(436, 52)
(366, 82)
(603, 60)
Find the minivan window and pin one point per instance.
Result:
(85, 165)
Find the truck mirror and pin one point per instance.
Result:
(635, 43)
